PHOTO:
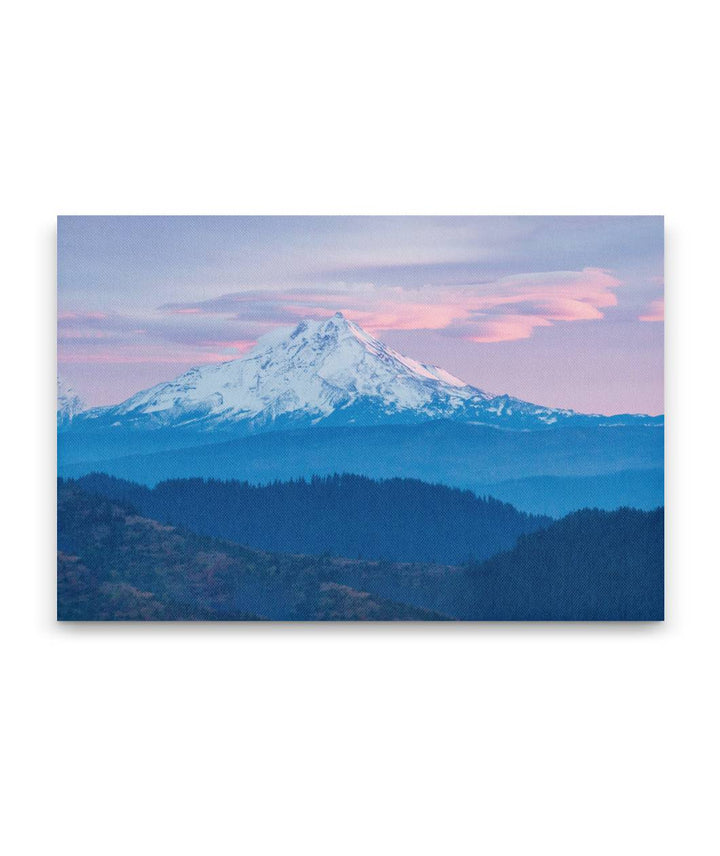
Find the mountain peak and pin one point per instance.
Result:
(326, 371)
(310, 326)
(322, 369)
(69, 403)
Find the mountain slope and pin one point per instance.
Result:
(328, 372)
(69, 403)
(456, 454)
(114, 565)
(400, 519)
(559, 495)
(590, 566)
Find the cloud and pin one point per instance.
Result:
(94, 337)
(500, 328)
(655, 312)
(506, 309)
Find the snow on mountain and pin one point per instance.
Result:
(329, 372)
(69, 403)
(320, 367)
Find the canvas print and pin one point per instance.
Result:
(360, 419)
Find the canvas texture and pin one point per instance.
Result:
(360, 419)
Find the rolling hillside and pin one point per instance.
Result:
(399, 519)
(114, 565)
(117, 565)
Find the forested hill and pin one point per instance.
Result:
(591, 565)
(403, 520)
(114, 565)
(117, 565)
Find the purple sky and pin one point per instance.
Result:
(561, 311)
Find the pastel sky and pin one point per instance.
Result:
(561, 311)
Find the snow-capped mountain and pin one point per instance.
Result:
(327, 372)
(69, 403)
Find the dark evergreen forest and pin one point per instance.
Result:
(116, 565)
(402, 520)
(597, 565)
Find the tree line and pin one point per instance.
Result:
(399, 519)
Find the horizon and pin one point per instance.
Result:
(565, 312)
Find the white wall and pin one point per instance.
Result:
(359, 739)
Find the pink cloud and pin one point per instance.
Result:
(240, 346)
(82, 316)
(533, 300)
(502, 310)
(83, 334)
(405, 316)
(147, 355)
(506, 328)
(656, 311)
